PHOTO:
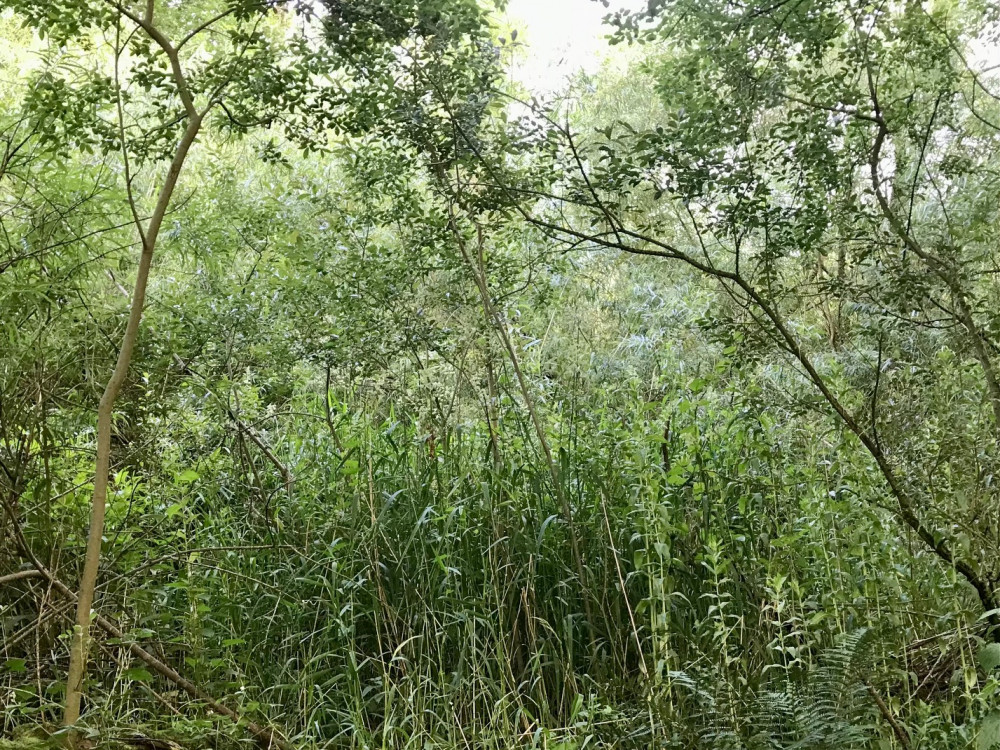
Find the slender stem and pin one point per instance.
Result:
(105, 413)
(495, 317)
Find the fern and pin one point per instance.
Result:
(830, 709)
(835, 711)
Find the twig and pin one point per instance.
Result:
(897, 728)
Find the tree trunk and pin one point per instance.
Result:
(91, 565)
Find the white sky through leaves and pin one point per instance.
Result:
(559, 37)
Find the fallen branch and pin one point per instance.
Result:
(267, 737)
(897, 728)
(11, 577)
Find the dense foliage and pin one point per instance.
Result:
(406, 408)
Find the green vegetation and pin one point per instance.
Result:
(353, 397)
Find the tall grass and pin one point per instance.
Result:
(409, 590)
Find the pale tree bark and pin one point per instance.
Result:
(79, 644)
(105, 413)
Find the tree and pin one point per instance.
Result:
(263, 73)
(827, 164)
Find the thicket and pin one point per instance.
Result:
(406, 409)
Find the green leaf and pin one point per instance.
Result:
(139, 674)
(15, 665)
(187, 476)
(989, 732)
(989, 656)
